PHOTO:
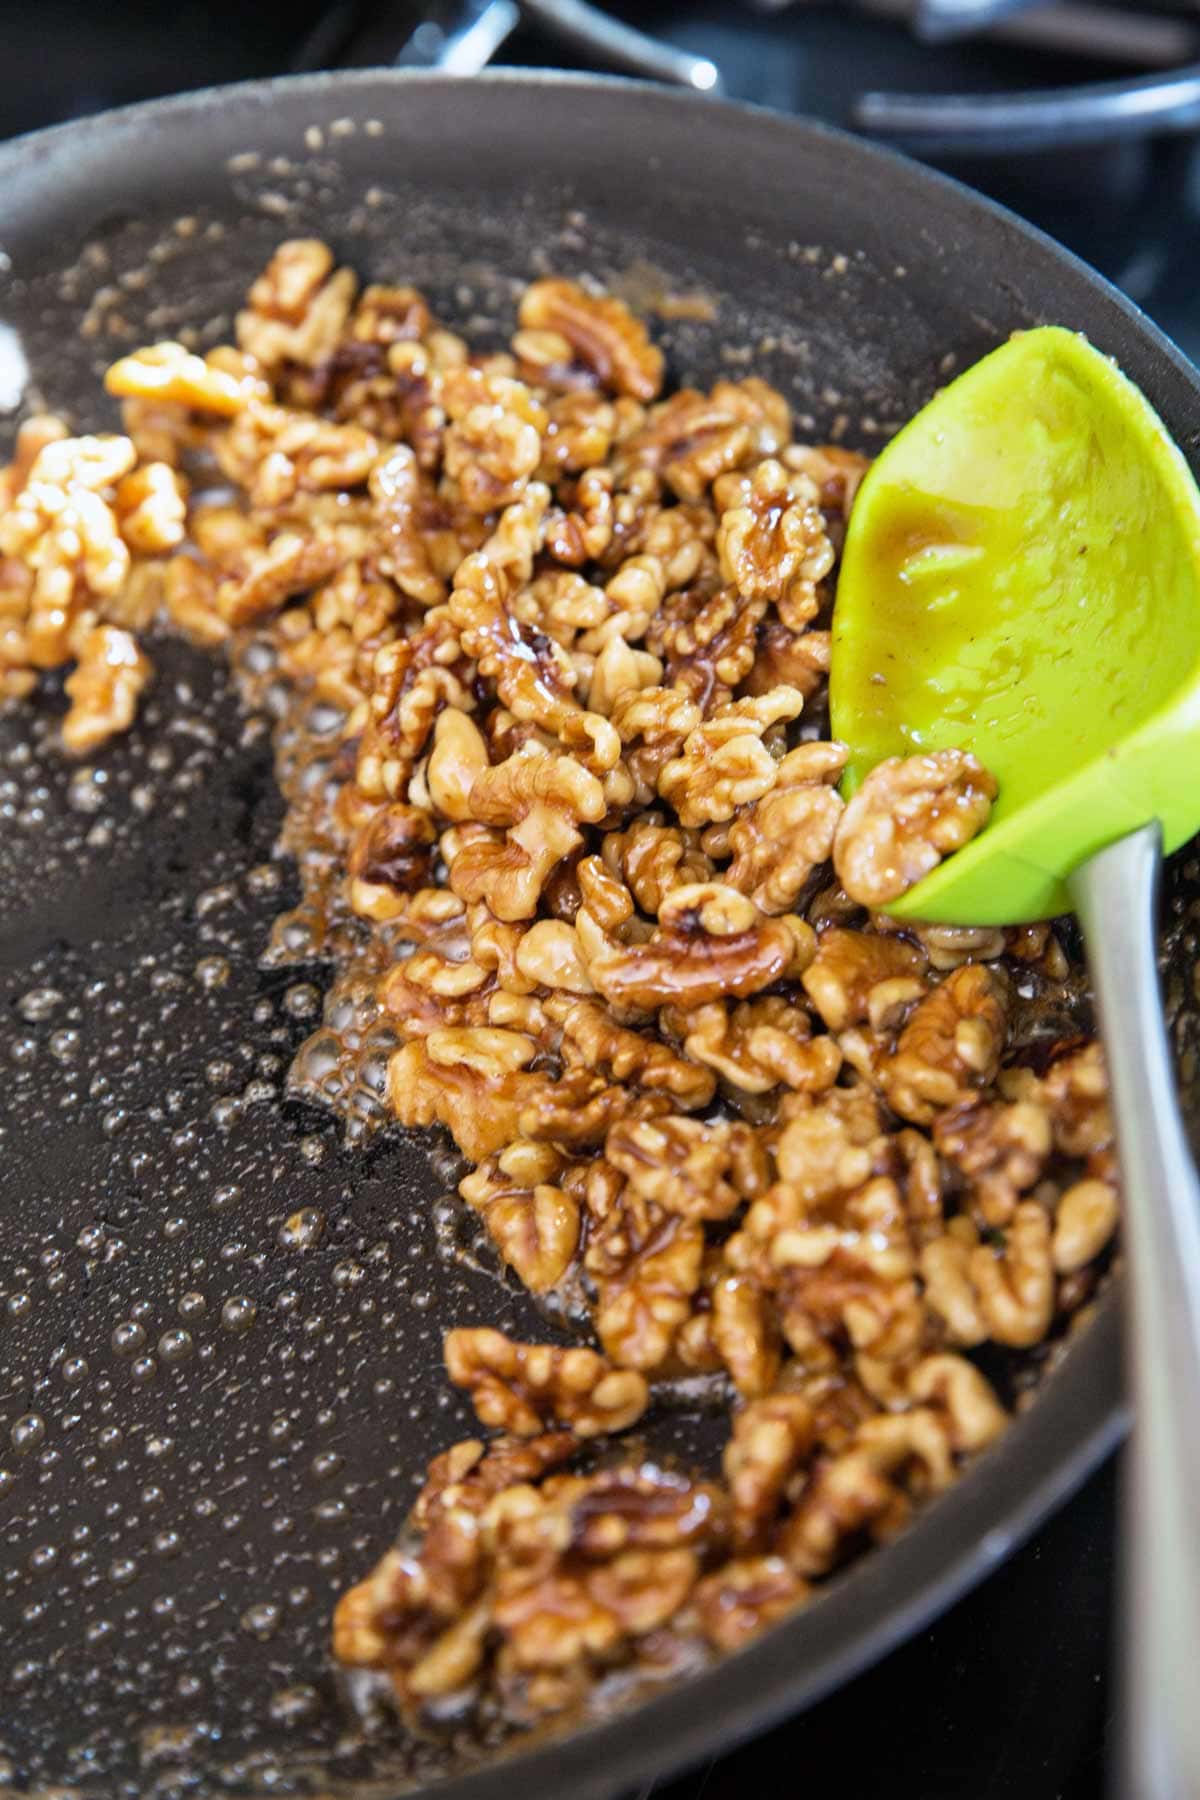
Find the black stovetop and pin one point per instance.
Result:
(1006, 1697)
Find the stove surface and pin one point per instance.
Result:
(1006, 1697)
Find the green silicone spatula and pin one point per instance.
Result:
(1021, 577)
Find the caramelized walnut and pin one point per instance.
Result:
(909, 813)
(601, 337)
(696, 1170)
(298, 307)
(950, 1046)
(103, 689)
(759, 1045)
(724, 763)
(772, 541)
(533, 803)
(520, 1388)
(692, 438)
(167, 373)
(711, 942)
(783, 837)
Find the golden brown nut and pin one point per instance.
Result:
(909, 813)
(783, 837)
(602, 338)
(298, 307)
(772, 541)
(103, 689)
(724, 763)
(711, 942)
(168, 373)
(522, 1387)
(950, 1046)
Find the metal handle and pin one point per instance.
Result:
(1041, 121)
(1115, 896)
(937, 20)
(482, 26)
(621, 46)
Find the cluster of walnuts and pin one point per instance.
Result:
(715, 1100)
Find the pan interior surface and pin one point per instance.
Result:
(214, 1419)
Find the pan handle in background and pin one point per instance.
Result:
(1049, 120)
(467, 45)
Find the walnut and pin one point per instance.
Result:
(829, 1149)
(389, 315)
(593, 1040)
(975, 1416)
(103, 689)
(780, 839)
(772, 541)
(868, 1487)
(646, 1264)
(768, 1444)
(580, 530)
(1001, 1149)
(708, 639)
(275, 453)
(1085, 1221)
(151, 507)
(33, 435)
(532, 674)
(1074, 1092)
(850, 966)
(61, 526)
(745, 1334)
(549, 956)
(298, 307)
(744, 1596)
(190, 598)
(950, 1046)
(472, 1081)
(534, 803)
(654, 858)
(169, 374)
(692, 438)
(620, 670)
(589, 1566)
(950, 1294)
(412, 680)
(1015, 1286)
(522, 1387)
(711, 942)
(534, 1224)
(457, 759)
(836, 473)
(331, 642)
(696, 1170)
(291, 564)
(948, 946)
(784, 658)
(759, 1045)
(909, 813)
(724, 763)
(852, 1288)
(652, 725)
(578, 1108)
(494, 442)
(602, 339)
(580, 428)
(394, 849)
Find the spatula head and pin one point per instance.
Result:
(1021, 578)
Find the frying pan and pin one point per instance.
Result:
(211, 1424)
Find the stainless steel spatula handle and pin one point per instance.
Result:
(1159, 1755)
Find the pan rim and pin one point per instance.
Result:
(1080, 1417)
